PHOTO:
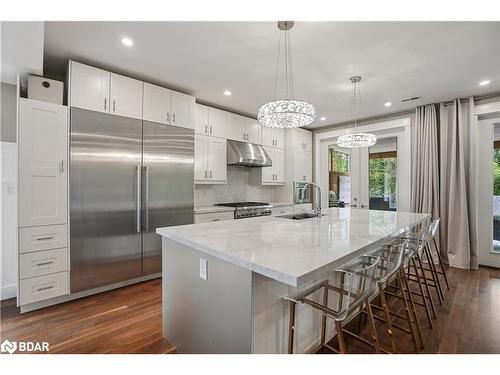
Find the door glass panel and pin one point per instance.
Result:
(496, 190)
(339, 168)
(382, 172)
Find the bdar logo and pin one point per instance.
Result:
(8, 347)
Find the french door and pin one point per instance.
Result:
(487, 191)
(371, 177)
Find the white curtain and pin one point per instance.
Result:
(425, 161)
(456, 149)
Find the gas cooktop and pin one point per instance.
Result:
(249, 209)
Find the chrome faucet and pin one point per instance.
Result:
(317, 200)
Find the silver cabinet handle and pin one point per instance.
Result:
(138, 201)
(210, 129)
(206, 174)
(146, 197)
(248, 137)
(114, 105)
(45, 288)
(61, 166)
(45, 263)
(244, 136)
(215, 219)
(173, 117)
(206, 129)
(210, 174)
(304, 178)
(168, 116)
(363, 206)
(44, 238)
(105, 103)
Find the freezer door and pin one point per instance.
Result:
(105, 182)
(167, 188)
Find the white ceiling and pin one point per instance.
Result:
(437, 60)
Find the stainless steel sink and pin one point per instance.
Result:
(301, 216)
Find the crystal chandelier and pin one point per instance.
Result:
(356, 139)
(286, 112)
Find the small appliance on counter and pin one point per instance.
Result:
(249, 209)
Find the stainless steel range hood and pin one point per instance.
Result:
(247, 154)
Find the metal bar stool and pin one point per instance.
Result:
(357, 285)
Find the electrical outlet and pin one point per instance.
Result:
(203, 269)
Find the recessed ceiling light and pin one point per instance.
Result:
(484, 83)
(387, 104)
(227, 93)
(323, 118)
(127, 42)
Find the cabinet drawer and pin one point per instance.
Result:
(43, 263)
(43, 287)
(43, 238)
(213, 216)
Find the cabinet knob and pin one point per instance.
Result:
(105, 103)
(168, 116)
(206, 174)
(210, 129)
(114, 106)
(210, 174)
(173, 117)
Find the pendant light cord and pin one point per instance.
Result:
(287, 55)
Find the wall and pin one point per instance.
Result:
(8, 112)
(8, 203)
(238, 188)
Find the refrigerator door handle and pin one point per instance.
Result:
(146, 197)
(138, 201)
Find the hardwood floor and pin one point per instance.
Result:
(125, 320)
(128, 320)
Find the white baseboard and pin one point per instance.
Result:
(8, 291)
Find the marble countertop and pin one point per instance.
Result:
(288, 250)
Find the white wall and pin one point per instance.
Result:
(8, 235)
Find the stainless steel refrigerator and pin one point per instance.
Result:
(127, 178)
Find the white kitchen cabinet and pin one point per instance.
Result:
(182, 107)
(273, 137)
(213, 216)
(236, 127)
(274, 175)
(302, 166)
(156, 104)
(210, 121)
(43, 163)
(168, 107)
(299, 139)
(210, 162)
(89, 87)
(253, 131)
(125, 96)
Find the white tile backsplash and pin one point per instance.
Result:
(237, 189)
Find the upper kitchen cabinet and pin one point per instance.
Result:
(210, 121)
(273, 175)
(273, 137)
(182, 107)
(156, 104)
(236, 127)
(169, 107)
(243, 129)
(210, 160)
(89, 87)
(299, 139)
(253, 131)
(43, 163)
(125, 96)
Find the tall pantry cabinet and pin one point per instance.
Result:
(43, 201)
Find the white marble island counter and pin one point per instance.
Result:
(251, 264)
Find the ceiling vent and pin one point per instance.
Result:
(406, 100)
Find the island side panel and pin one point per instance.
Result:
(205, 316)
(271, 316)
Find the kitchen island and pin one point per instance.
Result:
(224, 282)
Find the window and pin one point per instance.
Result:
(382, 175)
(339, 176)
(496, 196)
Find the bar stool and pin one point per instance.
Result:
(391, 268)
(357, 285)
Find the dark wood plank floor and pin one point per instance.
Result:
(128, 320)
